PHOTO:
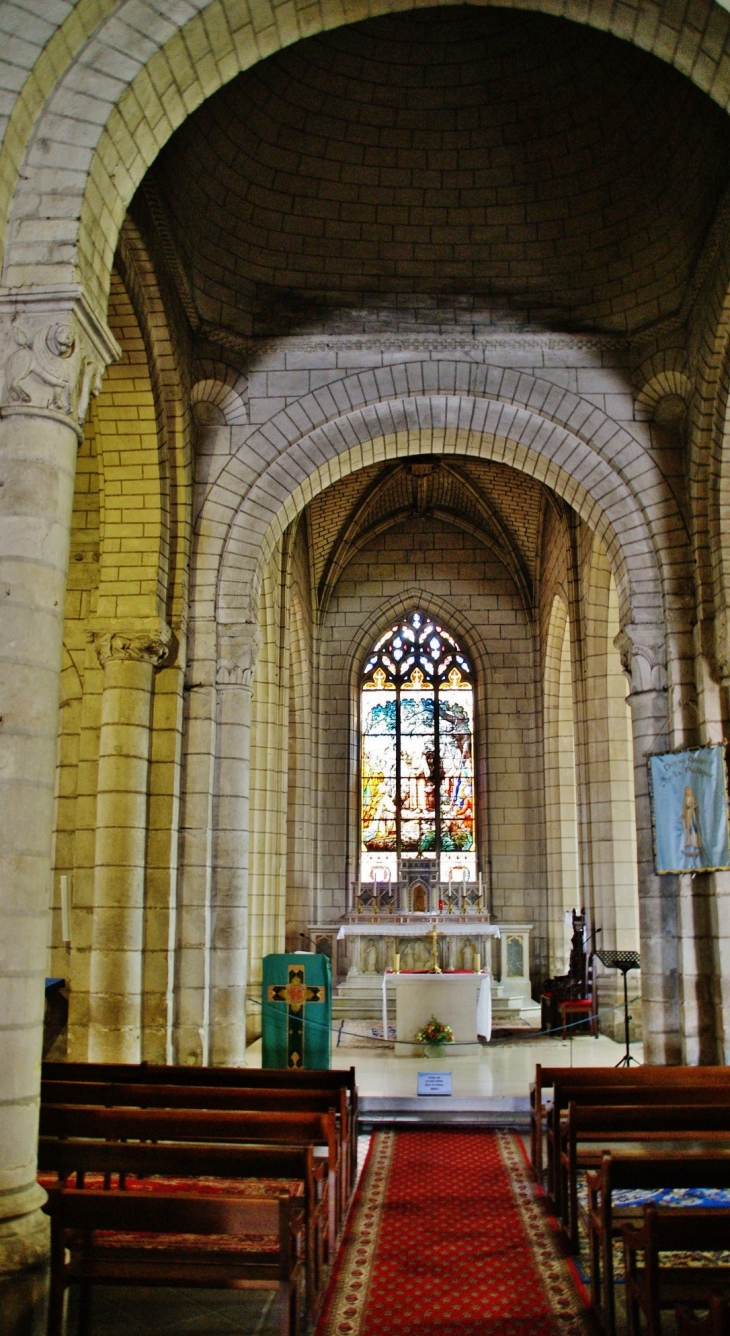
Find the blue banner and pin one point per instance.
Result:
(690, 810)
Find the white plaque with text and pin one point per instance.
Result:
(434, 1083)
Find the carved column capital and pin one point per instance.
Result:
(53, 353)
(643, 652)
(151, 643)
(239, 647)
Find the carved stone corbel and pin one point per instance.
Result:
(643, 652)
(239, 647)
(53, 353)
(137, 644)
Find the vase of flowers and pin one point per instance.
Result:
(434, 1036)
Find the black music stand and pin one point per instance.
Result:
(623, 961)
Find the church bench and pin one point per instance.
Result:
(190, 1168)
(647, 1128)
(651, 1170)
(158, 1096)
(650, 1288)
(545, 1078)
(659, 1095)
(248, 1078)
(209, 1125)
(120, 1238)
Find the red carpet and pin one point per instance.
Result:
(448, 1236)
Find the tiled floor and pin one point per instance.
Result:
(158, 1312)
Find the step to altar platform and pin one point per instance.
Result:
(377, 1111)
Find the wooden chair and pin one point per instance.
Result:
(650, 1288)
(108, 1238)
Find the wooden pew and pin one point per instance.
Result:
(565, 1093)
(216, 1125)
(80, 1255)
(545, 1078)
(248, 1078)
(649, 1170)
(717, 1322)
(158, 1096)
(593, 1130)
(63, 1160)
(650, 1288)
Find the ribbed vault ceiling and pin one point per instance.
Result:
(461, 163)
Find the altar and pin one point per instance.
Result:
(463, 1001)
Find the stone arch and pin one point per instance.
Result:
(169, 70)
(532, 425)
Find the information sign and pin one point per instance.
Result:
(434, 1083)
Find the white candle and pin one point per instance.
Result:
(481, 893)
(65, 915)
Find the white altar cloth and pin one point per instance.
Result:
(463, 1001)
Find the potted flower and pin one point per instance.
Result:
(434, 1036)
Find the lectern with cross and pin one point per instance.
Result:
(297, 1011)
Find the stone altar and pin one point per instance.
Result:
(462, 1001)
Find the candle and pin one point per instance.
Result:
(481, 892)
(396, 963)
(477, 963)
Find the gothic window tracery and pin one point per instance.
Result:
(417, 727)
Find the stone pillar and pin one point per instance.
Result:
(53, 352)
(238, 651)
(128, 656)
(643, 657)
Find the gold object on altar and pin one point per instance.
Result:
(434, 967)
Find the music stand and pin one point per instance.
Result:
(623, 961)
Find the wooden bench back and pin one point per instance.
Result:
(566, 1093)
(158, 1096)
(592, 1122)
(701, 1169)
(243, 1077)
(669, 1229)
(179, 1214)
(545, 1077)
(66, 1157)
(79, 1120)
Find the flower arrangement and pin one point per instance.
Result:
(435, 1032)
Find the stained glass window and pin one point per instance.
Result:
(417, 756)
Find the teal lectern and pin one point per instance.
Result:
(296, 1011)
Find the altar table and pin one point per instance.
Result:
(463, 1001)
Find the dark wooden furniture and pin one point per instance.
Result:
(648, 1169)
(93, 1242)
(592, 1130)
(124, 1165)
(209, 1125)
(649, 1287)
(248, 1078)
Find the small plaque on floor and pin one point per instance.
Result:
(434, 1083)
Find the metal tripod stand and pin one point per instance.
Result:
(623, 961)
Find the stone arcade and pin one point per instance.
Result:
(314, 320)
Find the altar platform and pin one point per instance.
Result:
(490, 1084)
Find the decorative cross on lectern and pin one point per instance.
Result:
(295, 993)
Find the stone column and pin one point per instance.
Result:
(239, 647)
(643, 657)
(129, 657)
(53, 352)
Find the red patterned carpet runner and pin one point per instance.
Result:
(448, 1238)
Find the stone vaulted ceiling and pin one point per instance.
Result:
(467, 164)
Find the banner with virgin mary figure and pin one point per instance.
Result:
(689, 804)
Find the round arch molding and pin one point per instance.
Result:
(560, 439)
(105, 93)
